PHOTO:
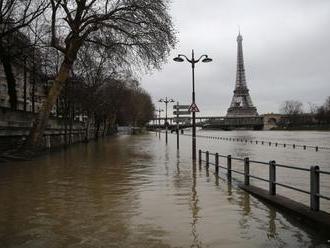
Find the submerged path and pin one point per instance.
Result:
(134, 191)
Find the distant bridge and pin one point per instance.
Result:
(212, 122)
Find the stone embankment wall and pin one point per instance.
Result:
(15, 126)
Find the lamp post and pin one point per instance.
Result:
(193, 61)
(159, 110)
(166, 101)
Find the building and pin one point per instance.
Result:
(22, 63)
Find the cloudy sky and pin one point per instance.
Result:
(285, 45)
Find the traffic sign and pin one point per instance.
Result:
(181, 113)
(181, 106)
(193, 108)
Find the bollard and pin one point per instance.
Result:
(207, 159)
(262, 142)
(182, 132)
(284, 145)
(276, 144)
(293, 146)
(217, 163)
(270, 143)
(272, 177)
(246, 171)
(315, 188)
(304, 147)
(200, 156)
(256, 141)
(229, 168)
(316, 148)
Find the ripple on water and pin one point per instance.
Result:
(134, 191)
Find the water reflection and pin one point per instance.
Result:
(134, 191)
(272, 225)
(194, 208)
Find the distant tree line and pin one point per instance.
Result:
(87, 53)
(296, 116)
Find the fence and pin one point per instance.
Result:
(314, 172)
(262, 142)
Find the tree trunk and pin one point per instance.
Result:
(40, 123)
(87, 129)
(104, 126)
(11, 82)
(34, 140)
(97, 129)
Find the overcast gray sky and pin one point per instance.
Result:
(285, 45)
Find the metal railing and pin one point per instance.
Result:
(262, 142)
(314, 172)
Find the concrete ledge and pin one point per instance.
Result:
(319, 217)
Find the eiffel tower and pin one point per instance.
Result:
(241, 104)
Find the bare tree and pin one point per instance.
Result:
(327, 104)
(291, 107)
(16, 15)
(323, 112)
(140, 29)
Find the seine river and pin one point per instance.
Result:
(135, 191)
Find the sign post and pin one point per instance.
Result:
(178, 113)
(193, 109)
(177, 127)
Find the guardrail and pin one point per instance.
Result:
(314, 172)
(262, 142)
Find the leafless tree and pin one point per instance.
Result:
(16, 15)
(291, 107)
(323, 112)
(293, 110)
(140, 30)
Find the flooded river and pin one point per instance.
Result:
(134, 191)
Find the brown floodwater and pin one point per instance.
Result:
(134, 191)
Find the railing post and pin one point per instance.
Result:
(316, 148)
(229, 168)
(272, 177)
(246, 171)
(216, 163)
(200, 156)
(207, 159)
(315, 188)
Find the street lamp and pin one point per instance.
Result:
(205, 59)
(166, 101)
(159, 110)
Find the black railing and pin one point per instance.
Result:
(262, 142)
(314, 172)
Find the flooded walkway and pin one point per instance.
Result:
(134, 191)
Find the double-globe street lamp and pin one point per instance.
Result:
(204, 58)
(166, 101)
